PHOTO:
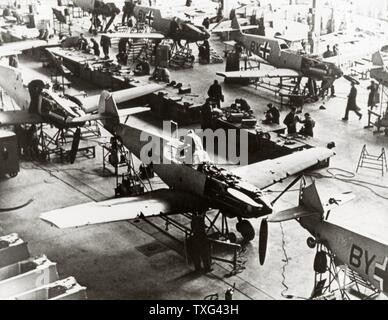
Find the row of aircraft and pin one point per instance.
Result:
(238, 194)
(186, 31)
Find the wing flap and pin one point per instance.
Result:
(266, 173)
(148, 205)
(8, 118)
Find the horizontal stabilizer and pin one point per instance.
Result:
(291, 214)
(92, 104)
(311, 205)
(96, 117)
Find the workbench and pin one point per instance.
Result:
(268, 141)
(167, 104)
(73, 59)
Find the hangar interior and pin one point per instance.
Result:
(111, 186)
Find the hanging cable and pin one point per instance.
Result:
(18, 207)
(348, 177)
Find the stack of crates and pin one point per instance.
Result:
(25, 278)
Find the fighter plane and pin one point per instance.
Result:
(186, 31)
(97, 8)
(193, 186)
(58, 110)
(288, 63)
(364, 256)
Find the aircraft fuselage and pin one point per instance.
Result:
(277, 54)
(367, 257)
(218, 188)
(187, 31)
(99, 7)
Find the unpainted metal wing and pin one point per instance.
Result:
(257, 74)
(229, 29)
(148, 205)
(266, 173)
(129, 35)
(8, 118)
(18, 46)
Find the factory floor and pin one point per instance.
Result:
(133, 260)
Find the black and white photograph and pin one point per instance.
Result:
(193, 150)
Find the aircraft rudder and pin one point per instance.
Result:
(235, 23)
(310, 199)
(108, 107)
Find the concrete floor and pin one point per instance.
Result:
(132, 260)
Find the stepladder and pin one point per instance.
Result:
(373, 162)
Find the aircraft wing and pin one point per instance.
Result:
(148, 205)
(8, 118)
(120, 35)
(18, 46)
(226, 29)
(96, 117)
(257, 74)
(266, 173)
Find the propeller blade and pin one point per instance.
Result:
(263, 241)
(351, 79)
(75, 145)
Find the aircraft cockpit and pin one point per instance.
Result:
(189, 150)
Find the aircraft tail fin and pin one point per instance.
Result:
(235, 23)
(310, 204)
(377, 59)
(107, 107)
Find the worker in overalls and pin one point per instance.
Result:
(199, 245)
